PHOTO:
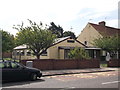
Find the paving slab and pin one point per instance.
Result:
(76, 71)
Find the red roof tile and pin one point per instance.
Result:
(106, 30)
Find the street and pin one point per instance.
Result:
(70, 81)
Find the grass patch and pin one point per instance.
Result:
(103, 65)
(10, 59)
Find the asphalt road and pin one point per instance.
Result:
(71, 81)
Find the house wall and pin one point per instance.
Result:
(88, 34)
(52, 53)
(46, 56)
(61, 54)
(55, 53)
(21, 57)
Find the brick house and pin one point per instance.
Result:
(94, 31)
(58, 50)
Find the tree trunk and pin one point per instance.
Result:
(38, 56)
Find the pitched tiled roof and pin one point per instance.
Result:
(106, 30)
(58, 40)
(21, 47)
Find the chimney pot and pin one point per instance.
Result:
(102, 23)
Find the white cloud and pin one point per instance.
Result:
(59, 11)
(113, 22)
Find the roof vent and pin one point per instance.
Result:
(102, 23)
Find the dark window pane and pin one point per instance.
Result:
(28, 53)
(66, 54)
(44, 53)
(70, 41)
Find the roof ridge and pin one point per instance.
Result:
(105, 30)
(105, 26)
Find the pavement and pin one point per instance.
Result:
(76, 71)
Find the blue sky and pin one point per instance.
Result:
(66, 13)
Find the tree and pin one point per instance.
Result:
(78, 53)
(7, 41)
(35, 37)
(69, 33)
(110, 44)
(57, 30)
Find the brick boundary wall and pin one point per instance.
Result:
(7, 55)
(57, 64)
(114, 63)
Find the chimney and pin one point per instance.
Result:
(102, 23)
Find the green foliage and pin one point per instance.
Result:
(78, 54)
(69, 33)
(109, 44)
(10, 59)
(35, 37)
(103, 65)
(57, 30)
(7, 41)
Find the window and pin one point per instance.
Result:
(28, 53)
(22, 53)
(85, 42)
(14, 65)
(7, 65)
(18, 53)
(91, 53)
(44, 53)
(10, 65)
(97, 53)
(70, 41)
(2, 65)
(66, 56)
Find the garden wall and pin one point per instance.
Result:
(56, 64)
(114, 63)
(7, 55)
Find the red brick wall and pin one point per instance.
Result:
(43, 64)
(114, 63)
(65, 64)
(51, 64)
(88, 63)
(7, 55)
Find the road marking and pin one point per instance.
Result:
(111, 82)
(68, 88)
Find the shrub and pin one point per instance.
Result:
(78, 53)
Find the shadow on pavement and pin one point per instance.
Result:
(14, 83)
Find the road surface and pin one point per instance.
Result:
(83, 80)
